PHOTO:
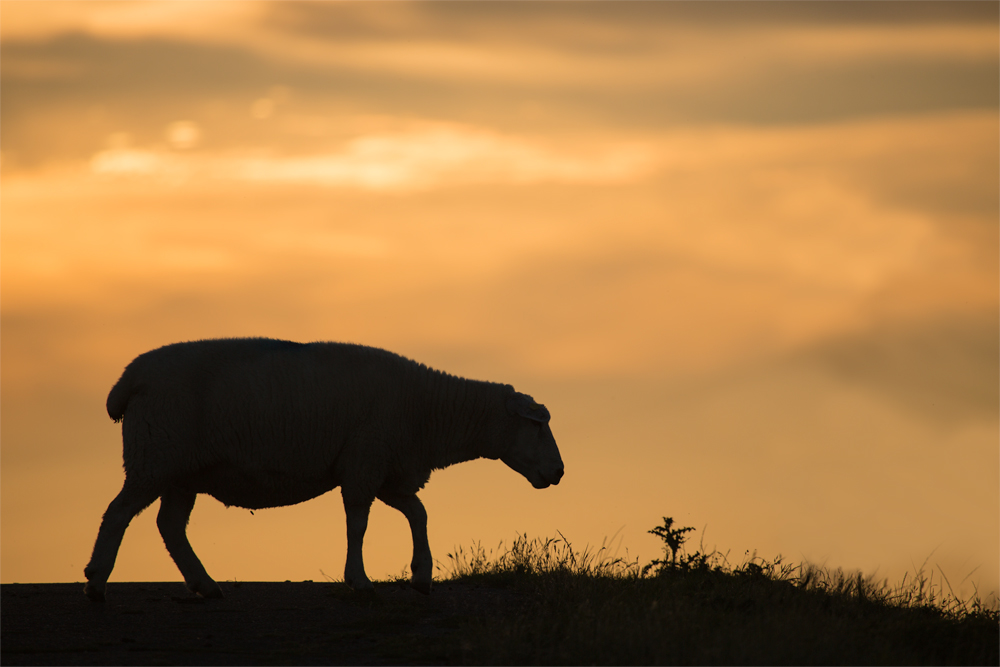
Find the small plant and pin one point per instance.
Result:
(673, 546)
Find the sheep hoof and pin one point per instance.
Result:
(95, 593)
(358, 583)
(366, 587)
(421, 586)
(210, 590)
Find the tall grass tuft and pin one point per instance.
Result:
(534, 556)
(592, 607)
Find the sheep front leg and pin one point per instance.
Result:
(413, 510)
(357, 524)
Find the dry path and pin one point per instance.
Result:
(256, 624)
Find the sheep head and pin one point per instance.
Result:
(533, 452)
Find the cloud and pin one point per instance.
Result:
(942, 368)
(720, 244)
(638, 55)
(419, 159)
(128, 161)
(183, 134)
(570, 46)
(126, 19)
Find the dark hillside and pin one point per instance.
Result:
(538, 602)
(696, 609)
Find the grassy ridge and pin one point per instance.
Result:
(584, 608)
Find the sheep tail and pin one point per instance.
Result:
(119, 397)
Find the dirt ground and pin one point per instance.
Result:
(257, 623)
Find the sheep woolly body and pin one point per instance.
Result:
(263, 423)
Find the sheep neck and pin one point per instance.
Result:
(459, 418)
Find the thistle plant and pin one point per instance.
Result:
(673, 544)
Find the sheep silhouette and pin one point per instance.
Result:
(258, 423)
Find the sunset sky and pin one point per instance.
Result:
(747, 254)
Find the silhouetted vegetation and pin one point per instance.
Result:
(696, 608)
(536, 602)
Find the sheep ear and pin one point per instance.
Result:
(524, 405)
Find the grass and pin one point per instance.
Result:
(696, 608)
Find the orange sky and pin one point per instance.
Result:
(747, 254)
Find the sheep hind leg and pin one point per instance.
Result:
(131, 500)
(357, 524)
(172, 520)
(416, 515)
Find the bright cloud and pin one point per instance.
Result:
(126, 18)
(127, 161)
(413, 160)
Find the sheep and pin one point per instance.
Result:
(257, 422)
